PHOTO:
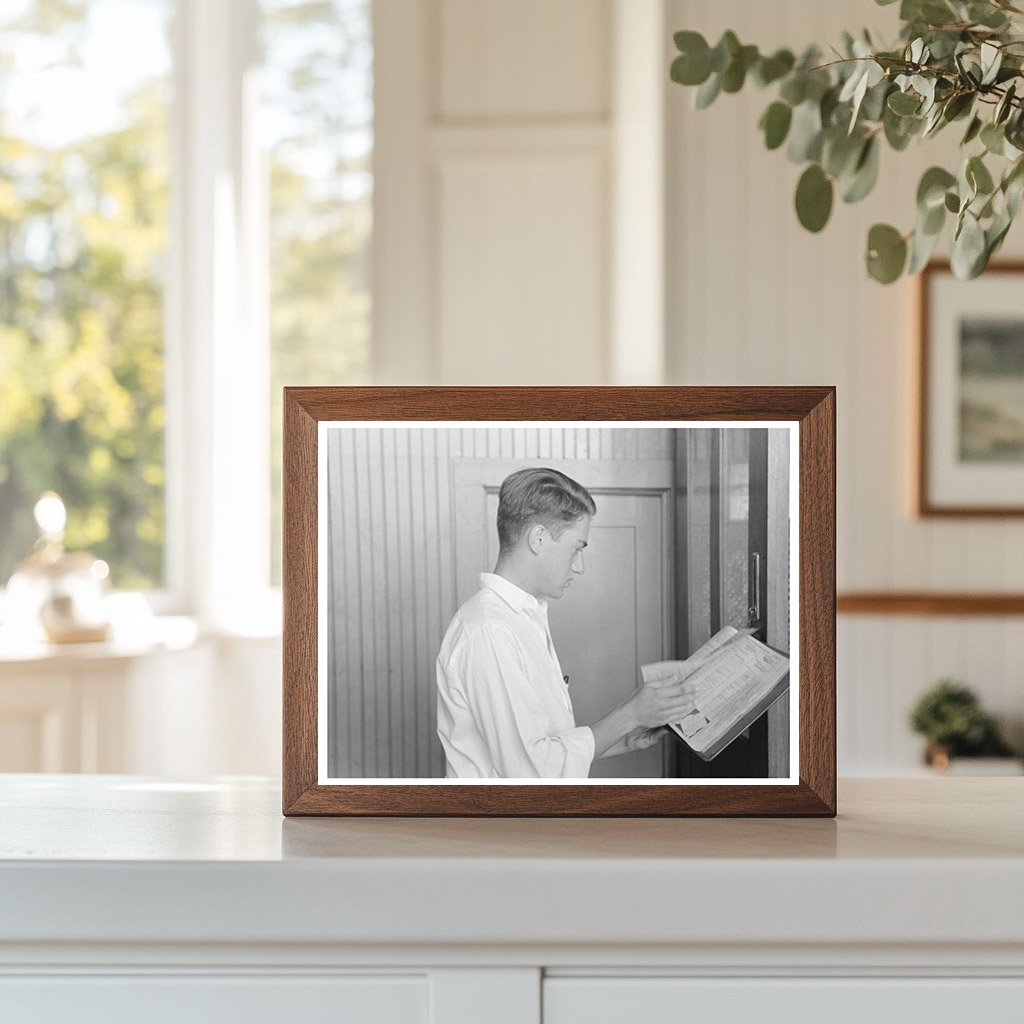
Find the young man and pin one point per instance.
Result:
(503, 708)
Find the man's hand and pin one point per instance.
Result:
(638, 739)
(638, 721)
(662, 701)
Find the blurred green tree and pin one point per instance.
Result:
(83, 238)
(82, 233)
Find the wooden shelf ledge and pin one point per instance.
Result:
(928, 603)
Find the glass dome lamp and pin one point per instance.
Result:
(56, 595)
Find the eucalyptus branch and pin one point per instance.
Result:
(833, 117)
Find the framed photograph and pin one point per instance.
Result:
(559, 601)
(970, 451)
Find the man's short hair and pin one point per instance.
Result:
(544, 496)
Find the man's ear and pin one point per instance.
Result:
(535, 537)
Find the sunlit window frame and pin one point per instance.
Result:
(216, 328)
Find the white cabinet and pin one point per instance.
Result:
(204, 999)
(823, 1000)
(102, 708)
(130, 898)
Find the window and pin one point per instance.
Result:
(185, 221)
(317, 117)
(83, 237)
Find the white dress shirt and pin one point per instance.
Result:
(503, 708)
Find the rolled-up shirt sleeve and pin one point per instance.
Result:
(522, 739)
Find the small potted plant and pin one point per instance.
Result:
(950, 717)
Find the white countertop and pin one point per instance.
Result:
(122, 859)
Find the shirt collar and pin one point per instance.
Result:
(515, 597)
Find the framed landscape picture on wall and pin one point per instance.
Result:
(559, 601)
(970, 451)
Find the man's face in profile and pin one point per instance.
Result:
(562, 558)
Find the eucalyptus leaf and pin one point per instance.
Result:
(828, 104)
(991, 60)
(972, 132)
(930, 12)
(775, 122)
(805, 133)
(922, 248)
(958, 105)
(814, 195)
(987, 15)
(687, 41)
(688, 71)
(771, 69)
(794, 88)
(952, 202)
(944, 44)
(900, 130)
(933, 122)
(903, 103)
(865, 174)
(873, 106)
(931, 190)
(735, 74)
(925, 88)
(995, 233)
(978, 176)
(968, 247)
(993, 138)
(932, 221)
(1013, 187)
(1013, 191)
(724, 51)
(886, 253)
(707, 93)
(840, 152)
(1004, 106)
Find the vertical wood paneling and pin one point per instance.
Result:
(381, 605)
(1013, 654)
(423, 675)
(847, 638)
(409, 675)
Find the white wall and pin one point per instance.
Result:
(507, 163)
(754, 299)
(504, 150)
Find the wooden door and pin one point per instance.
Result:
(724, 476)
(619, 614)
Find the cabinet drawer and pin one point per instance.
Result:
(569, 1000)
(202, 999)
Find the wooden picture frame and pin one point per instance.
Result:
(969, 447)
(311, 413)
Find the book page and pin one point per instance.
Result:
(731, 678)
(732, 673)
(683, 669)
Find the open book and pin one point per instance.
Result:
(738, 678)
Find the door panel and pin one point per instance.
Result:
(726, 525)
(618, 614)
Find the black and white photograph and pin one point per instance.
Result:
(557, 601)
